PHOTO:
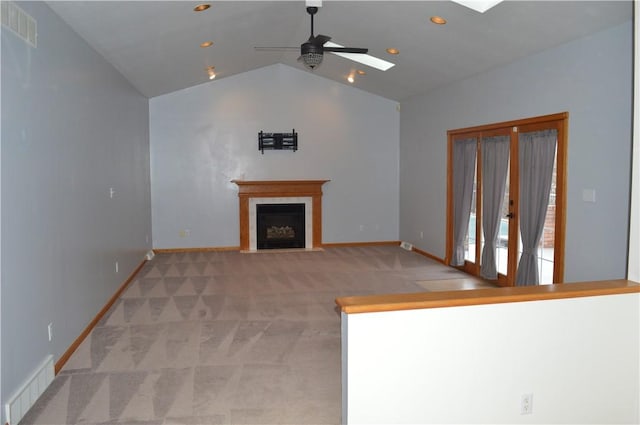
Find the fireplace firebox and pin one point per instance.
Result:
(280, 226)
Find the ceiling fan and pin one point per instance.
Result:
(312, 51)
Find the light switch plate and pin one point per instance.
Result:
(589, 195)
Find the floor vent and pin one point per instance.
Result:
(26, 396)
(19, 21)
(406, 245)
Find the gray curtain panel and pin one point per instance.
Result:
(536, 156)
(464, 166)
(495, 161)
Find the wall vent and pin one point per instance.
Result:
(26, 396)
(20, 22)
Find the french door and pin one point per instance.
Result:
(506, 181)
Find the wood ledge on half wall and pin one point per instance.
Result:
(422, 300)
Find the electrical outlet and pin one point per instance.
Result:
(117, 267)
(112, 192)
(361, 227)
(526, 404)
(421, 235)
(50, 331)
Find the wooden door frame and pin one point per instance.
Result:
(557, 121)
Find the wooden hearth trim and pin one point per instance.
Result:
(279, 189)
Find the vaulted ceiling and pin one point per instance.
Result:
(156, 44)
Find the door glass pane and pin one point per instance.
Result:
(503, 232)
(470, 241)
(547, 241)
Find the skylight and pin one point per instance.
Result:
(478, 5)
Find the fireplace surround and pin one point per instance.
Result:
(258, 192)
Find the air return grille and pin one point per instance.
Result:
(22, 400)
(406, 245)
(19, 22)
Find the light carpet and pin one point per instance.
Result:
(226, 338)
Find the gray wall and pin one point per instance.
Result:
(591, 78)
(72, 127)
(205, 136)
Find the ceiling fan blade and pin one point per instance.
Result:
(274, 48)
(368, 60)
(321, 39)
(357, 50)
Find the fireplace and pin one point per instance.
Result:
(253, 194)
(280, 226)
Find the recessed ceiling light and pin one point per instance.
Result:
(360, 72)
(211, 72)
(438, 20)
(393, 51)
(201, 7)
(350, 78)
(206, 44)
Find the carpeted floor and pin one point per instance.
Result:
(227, 338)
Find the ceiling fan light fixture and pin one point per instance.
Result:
(311, 55)
(311, 60)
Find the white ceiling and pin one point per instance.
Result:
(155, 44)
